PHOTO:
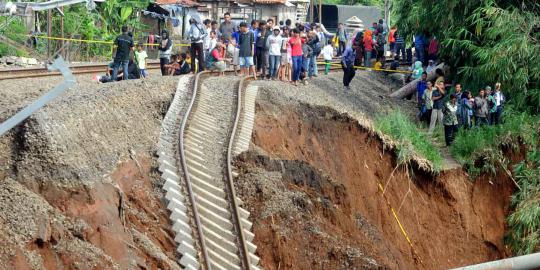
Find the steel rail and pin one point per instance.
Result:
(230, 183)
(185, 119)
(44, 72)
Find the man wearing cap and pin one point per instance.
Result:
(274, 45)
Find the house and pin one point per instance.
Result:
(248, 10)
(169, 14)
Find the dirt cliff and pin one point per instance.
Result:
(80, 187)
(312, 183)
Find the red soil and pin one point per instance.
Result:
(450, 220)
(112, 211)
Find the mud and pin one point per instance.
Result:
(327, 168)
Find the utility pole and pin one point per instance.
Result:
(49, 31)
(387, 5)
(311, 10)
(320, 11)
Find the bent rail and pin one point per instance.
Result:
(242, 238)
(194, 210)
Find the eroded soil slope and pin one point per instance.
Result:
(79, 187)
(312, 181)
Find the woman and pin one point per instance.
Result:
(368, 47)
(358, 47)
(296, 52)
(418, 70)
(164, 51)
(215, 60)
(284, 68)
(347, 64)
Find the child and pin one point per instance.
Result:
(307, 51)
(183, 66)
(190, 61)
(378, 65)
(213, 41)
(232, 54)
(140, 57)
(328, 53)
(173, 65)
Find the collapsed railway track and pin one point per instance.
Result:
(196, 151)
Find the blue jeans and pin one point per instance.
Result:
(116, 66)
(312, 68)
(420, 53)
(367, 59)
(274, 61)
(305, 65)
(297, 67)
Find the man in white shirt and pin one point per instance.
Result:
(499, 102)
(274, 45)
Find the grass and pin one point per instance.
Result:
(7, 50)
(410, 141)
(480, 150)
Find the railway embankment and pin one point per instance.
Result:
(80, 186)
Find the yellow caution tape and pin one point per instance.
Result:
(401, 227)
(98, 41)
(372, 69)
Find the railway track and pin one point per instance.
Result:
(20, 73)
(196, 151)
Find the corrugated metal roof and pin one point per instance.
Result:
(184, 3)
(264, 2)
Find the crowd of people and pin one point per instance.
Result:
(263, 49)
(267, 50)
(461, 110)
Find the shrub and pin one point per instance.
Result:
(410, 141)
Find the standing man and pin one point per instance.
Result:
(124, 45)
(342, 38)
(347, 64)
(492, 107)
(499, 102)
(458, 93)
(481, 108)
(400, 46)
(274, 44)
(164, 51)
(419, 47)
(246, 49)
(196, 34)
(227, 27)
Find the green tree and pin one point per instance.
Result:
(484, 42)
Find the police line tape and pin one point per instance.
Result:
(97, 41)
(187, 45)
(370, 69)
